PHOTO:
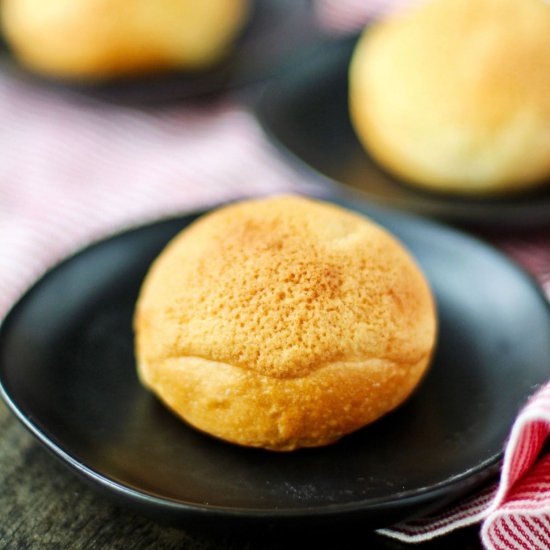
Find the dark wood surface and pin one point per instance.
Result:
(44, 505)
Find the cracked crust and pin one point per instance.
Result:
(283, 323)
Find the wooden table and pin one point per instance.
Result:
(43, 505)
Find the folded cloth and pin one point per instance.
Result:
(74, 170)
(529, 248)
(519, 515)
(348, 16)
(515, 511)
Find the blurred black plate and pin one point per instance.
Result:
(276, 28)
(305, 112)
(67, 371)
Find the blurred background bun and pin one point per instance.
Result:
(97, 39)
(454, 95)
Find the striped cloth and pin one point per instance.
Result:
(345, 16)
(74, 170)
(515, 512)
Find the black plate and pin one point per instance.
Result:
(305, 112)
(276, 28)
(67, 371)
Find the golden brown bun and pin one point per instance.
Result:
(283, 323)
(455, 95)
(94, 39)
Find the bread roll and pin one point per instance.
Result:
(283, 323)
(97, 39)
(454, 96)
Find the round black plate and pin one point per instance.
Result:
(276, 28)
(67, 371)
(305, 112)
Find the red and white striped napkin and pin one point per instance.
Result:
(74, 170)
(515, 512)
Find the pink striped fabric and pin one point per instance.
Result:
(532, 250)
(515, 512)
(519, 515)
(341, 17)
(74, 170)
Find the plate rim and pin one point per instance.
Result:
(423, 495)
(433, 201)
(120, 489)
(226, 74)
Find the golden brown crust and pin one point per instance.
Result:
(283, 323)
(95, 39)
(281, 414)
(455, 96)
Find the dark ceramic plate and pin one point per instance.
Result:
(67, 372)
(305, 112)
(276, 29)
